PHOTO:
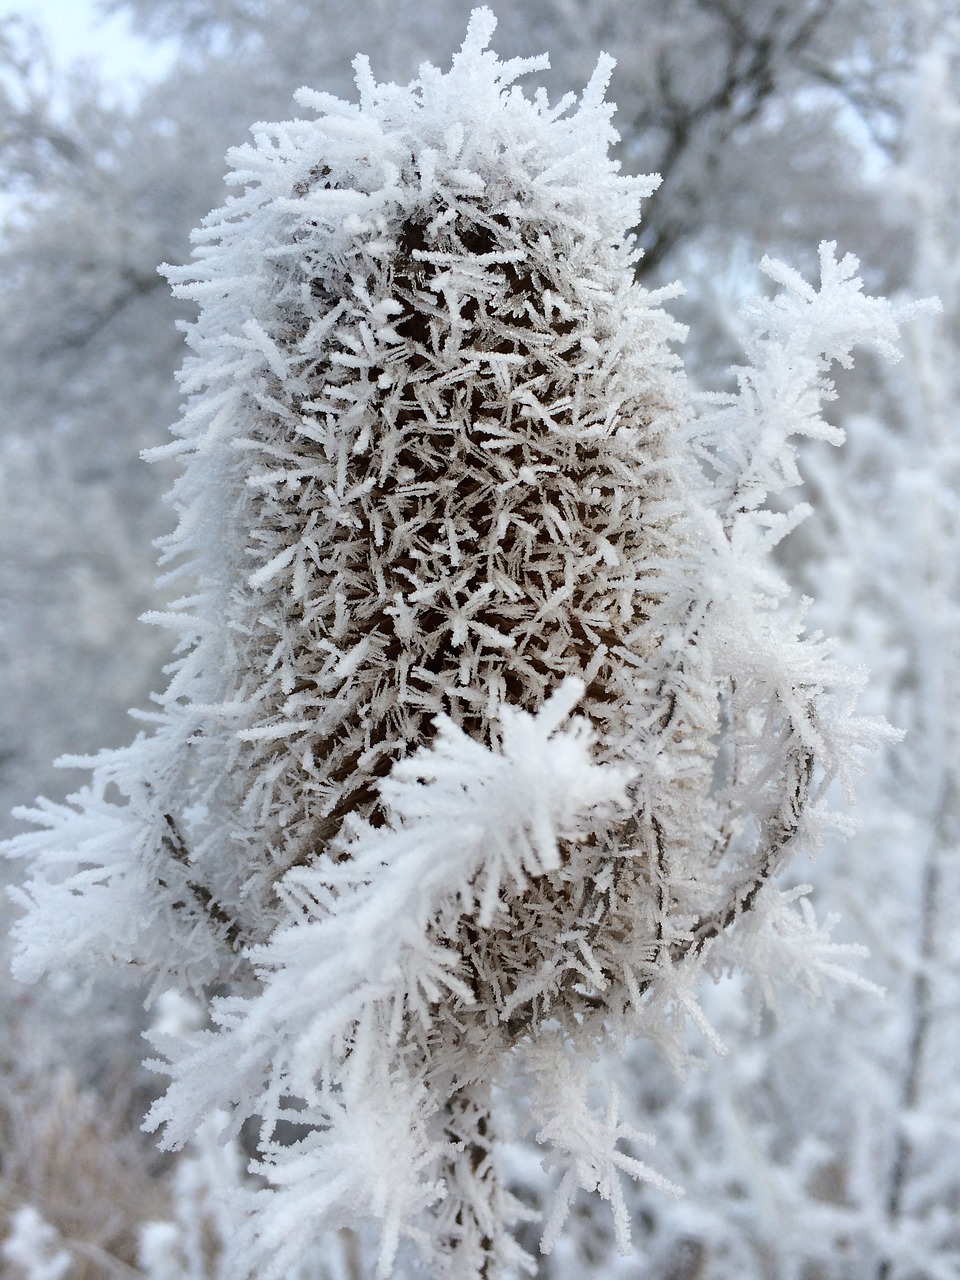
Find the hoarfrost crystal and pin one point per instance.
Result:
(487, 726)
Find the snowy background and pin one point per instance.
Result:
(78, 30)
(823, 1145)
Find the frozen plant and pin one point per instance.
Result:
(31, 1247)
(491, 723)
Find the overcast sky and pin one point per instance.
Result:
(76, 30)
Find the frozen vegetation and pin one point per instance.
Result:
(535, 621)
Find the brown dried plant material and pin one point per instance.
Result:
(69, 1157)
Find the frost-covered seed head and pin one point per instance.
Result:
(438, 409)
(438, 488)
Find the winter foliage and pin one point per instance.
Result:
(493, 723)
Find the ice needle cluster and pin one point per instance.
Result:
(489, 726)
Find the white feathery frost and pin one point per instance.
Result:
(490, 720)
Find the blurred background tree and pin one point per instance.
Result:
(828, 1151)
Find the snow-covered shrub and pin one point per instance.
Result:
(32, 1247)
(443, 486)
